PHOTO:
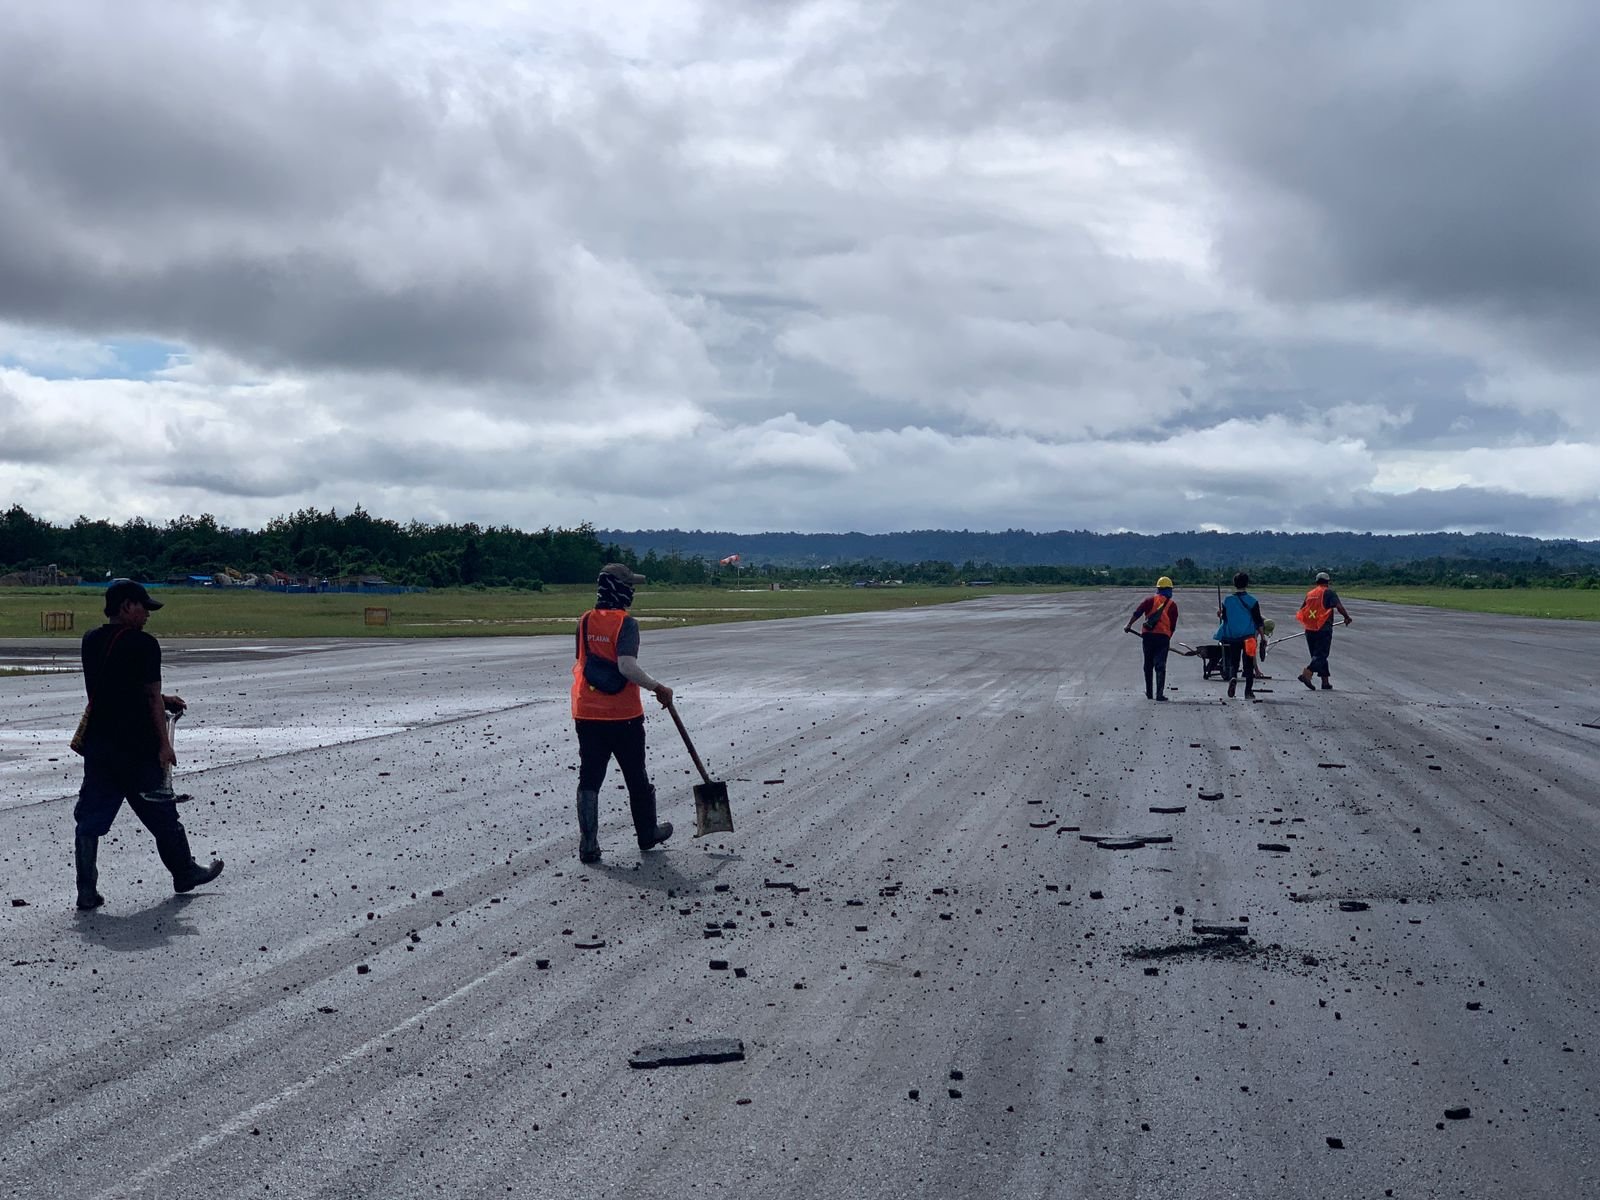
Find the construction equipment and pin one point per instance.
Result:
(711, 811)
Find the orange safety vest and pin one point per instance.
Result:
(598, 630)
(1159, 619)
(1314, 613)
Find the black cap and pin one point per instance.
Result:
(126, 589)
(620, 571)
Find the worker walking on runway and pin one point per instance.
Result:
(1241, 622)
(127, 746)
(1160, 613)
(608, 712)
(1316, 614)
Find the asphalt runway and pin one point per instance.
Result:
(940, 988)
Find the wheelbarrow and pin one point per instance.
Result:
(711, 811)
(1209, 654)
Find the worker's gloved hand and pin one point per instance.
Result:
(174, 704)
(663, 694)
(1348, 618)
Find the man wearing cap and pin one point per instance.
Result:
(1160, 613)
(1316, 614)
(1241, 622)
(127, 746)
(608, 712)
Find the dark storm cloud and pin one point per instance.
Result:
(268, 191)
(1463, 509)
(1435, 153)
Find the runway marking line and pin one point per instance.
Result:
(244, 1120)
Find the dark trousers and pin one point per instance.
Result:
(107, 782)
(1156, 646)
(1232, 653)
(1319, 642)
(601, 741)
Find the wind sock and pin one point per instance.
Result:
(729, 561)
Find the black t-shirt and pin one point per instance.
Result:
(119, 663)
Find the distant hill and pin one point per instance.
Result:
(1016, 547)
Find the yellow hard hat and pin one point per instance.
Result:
(1163, 582)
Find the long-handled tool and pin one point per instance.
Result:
(711, 811)
(163, 794)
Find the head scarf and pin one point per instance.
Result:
(611, 592)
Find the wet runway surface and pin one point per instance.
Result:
(404, 985)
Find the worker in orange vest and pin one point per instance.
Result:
(608, 712)
(1160, 613)
(1316, 614)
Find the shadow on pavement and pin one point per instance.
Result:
(148, 929)
(658, 871)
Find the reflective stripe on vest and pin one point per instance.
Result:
(1315, 613)
(1159, 619)
(599, 629)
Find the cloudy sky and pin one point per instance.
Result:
(813, 266)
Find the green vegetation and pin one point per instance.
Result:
(452, 612)
(1572, 604)
(317, 546)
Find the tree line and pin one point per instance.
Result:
(357, 544)
(308, 543)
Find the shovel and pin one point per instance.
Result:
(163, 793)
(711, 811)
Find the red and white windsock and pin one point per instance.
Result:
(729, 561)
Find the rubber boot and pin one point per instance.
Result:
(588, 826)
(1327, 684)
(1161, 685)
(1305, 678)
(1149, 694)
(172, 844)
(195, 875)
(85, 850)
(649, 832)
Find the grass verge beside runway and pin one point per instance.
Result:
(1571, 604)
(451, 612)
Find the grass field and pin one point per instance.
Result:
(1572, 604)
(244, 613)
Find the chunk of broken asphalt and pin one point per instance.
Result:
(1331, 766)
(589, 945)
(1169, 809)
(1210, 795)
(1275, 847)
(1120, 843)
(1353, 906)
(1457, 1114)
(1220, 930)
(687, 1054)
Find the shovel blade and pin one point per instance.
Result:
(711, 811)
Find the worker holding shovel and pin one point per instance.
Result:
(1160, 613)
(608, 711)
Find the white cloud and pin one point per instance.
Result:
(809, 265)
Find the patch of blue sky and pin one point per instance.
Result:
(74, 358)
(140, 358)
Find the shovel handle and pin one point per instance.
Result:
(684, 733)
